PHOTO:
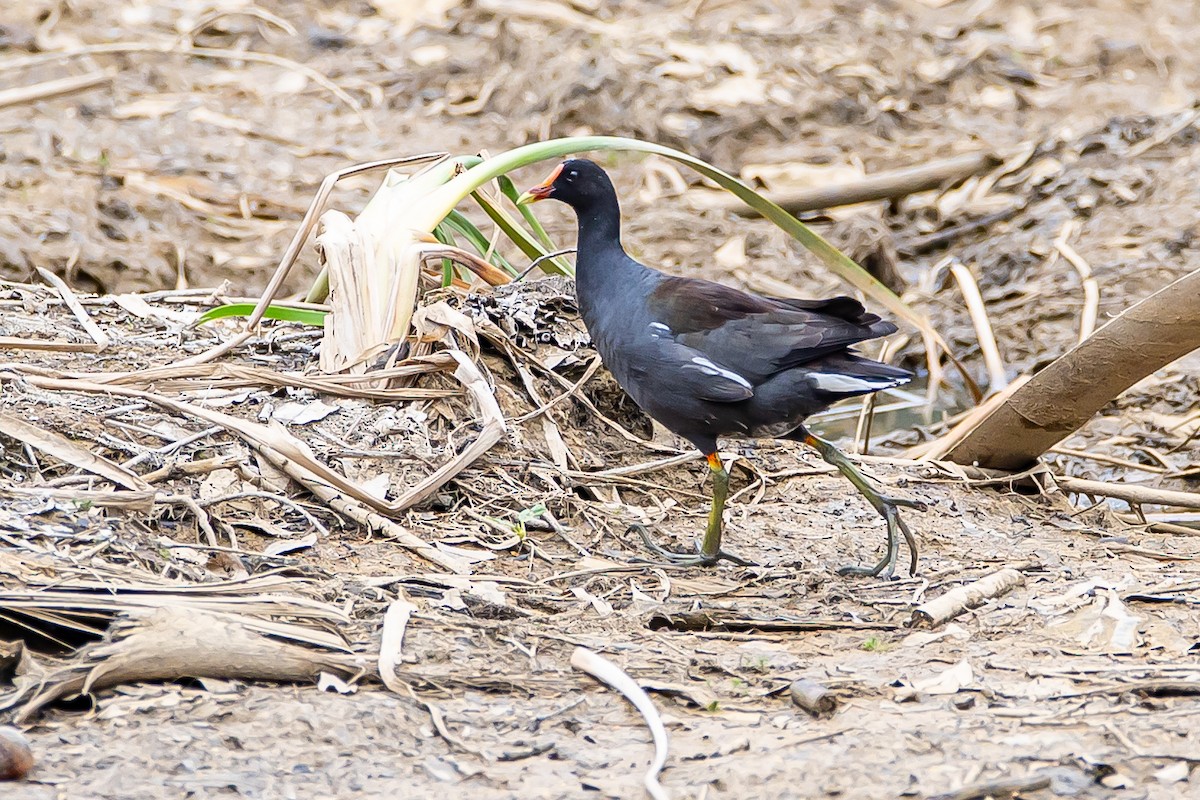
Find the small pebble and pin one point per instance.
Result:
(16, 759)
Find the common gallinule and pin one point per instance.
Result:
(707, 361)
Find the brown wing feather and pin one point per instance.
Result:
(759, 336)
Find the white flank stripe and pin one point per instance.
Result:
(832, 382)
(709, 368)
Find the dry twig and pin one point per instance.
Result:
(184, 48)
(611, 675)
(997, 379)
(1091, 289)
(1005, 787)
(58, 87)
(72, 453)
(961, 598)
(1130, 493)
(880, 186)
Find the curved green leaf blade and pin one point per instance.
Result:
(527, 244)
(304, 316)
(450, 193)
(510, 191)
(459, 223)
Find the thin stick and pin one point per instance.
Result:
(46, 345)
(55, 88)
(612, 676)
(199, 467)
(1130, 493)
(278, 498)
(919, 245)
(72, 302)
(1102, 458)
(997, 380)
(256, 13)
(587, 376)
(66, 450)
(1091, 289)
(866, 414)
(649, 466)
(1165, 135)
(202, 519)
(880, 186)
(1005, 787)
(537, 261)
(369, 519)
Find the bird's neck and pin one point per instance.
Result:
(600, 227)
(599, 249)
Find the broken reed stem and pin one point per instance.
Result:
(310, 221)
(366, 517)
(962, 598)
(1130, 493)
(866, 414)
(997, 380)
(813, 697)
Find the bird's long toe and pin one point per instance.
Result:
(674, 559)
(896, 527)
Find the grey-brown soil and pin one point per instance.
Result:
(193, 170)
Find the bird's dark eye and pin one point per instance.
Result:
(572, 174)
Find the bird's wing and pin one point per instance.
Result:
(691, 371)
(754, 336)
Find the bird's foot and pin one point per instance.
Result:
(698, 559)
(889, 509)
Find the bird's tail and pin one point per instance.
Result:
(849, 374)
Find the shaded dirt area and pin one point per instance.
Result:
(194, 169)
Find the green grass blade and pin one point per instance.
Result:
(528, 245)
(457, 222)
(443, 235)
(510, 191)
(304, 316)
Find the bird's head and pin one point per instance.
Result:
(577, 182)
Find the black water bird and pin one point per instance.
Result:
(709, 361)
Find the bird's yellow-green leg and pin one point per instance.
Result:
(710, 549)
(712, 534)
(888, 508)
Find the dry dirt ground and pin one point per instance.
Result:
(189, 169)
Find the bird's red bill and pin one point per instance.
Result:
(543, 189)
